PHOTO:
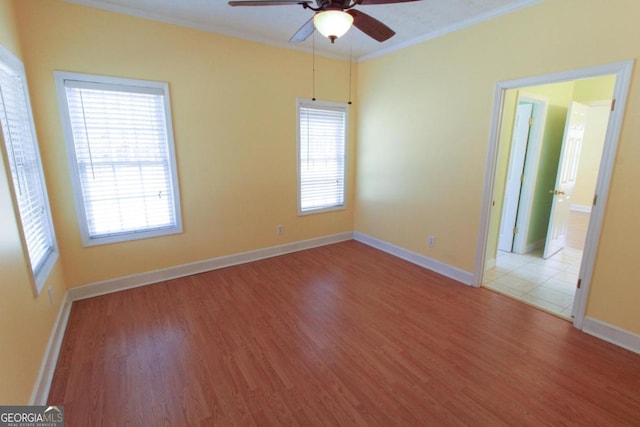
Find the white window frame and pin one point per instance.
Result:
(39, 273)
(127, 85)
(334, 106)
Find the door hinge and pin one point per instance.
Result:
(531, 121)
(515, 230)
(522, 178)
(613, 104)
(579, 283)
(595, 199)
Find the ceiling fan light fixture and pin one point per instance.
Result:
(332, 23)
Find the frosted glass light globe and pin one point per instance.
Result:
(332, 23)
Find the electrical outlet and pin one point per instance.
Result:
(280, 230)
(432, 240)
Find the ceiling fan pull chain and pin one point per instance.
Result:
(350, 63)
(313, 70)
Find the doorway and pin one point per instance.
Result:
(544, 221)
(566, 263)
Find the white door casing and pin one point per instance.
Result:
(623, 72)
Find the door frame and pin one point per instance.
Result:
(622, 70)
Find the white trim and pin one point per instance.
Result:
(488, 204)
(41, 388)
(623, 71)
(504, 10)
(421, 260)
(40, 393)
(601, 103)
(490, 263)
(148, 278)
(341, 107)
(581, 208)
(617, 68)
(122, 85)
(230, 32)
(40, 276)
(42, 385)
(612, 334)
(220, 30)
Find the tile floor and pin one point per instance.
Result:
(547, 284)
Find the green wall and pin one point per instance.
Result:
(560, 95)
(596, 89)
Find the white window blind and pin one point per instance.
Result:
(23, 158)
(124, 163)
(322, 131)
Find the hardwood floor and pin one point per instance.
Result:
(338, 335)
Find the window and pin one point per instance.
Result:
(322, 129)
(120, 146)
(20, 150)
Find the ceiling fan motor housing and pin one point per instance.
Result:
(364, 22)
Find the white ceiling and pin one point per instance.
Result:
(413, 22)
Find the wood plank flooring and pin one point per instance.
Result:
(338, 335)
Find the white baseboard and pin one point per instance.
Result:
(612, 334)
(42, 386)
(142, 279)
(50, 358)
(581, 208)
(421, 260)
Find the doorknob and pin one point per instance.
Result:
(556, 192)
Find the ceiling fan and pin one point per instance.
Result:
(333, 18)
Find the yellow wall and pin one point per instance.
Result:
(423, 117)
(595, 89)
(423, 129)
(234, 112)
(25, 321)
(8, 29)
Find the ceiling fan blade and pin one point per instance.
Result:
(267, 2)
(304, 32)
(371, 26)
(372, 2)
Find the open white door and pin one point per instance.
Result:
(566, 178)
(514, 176)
